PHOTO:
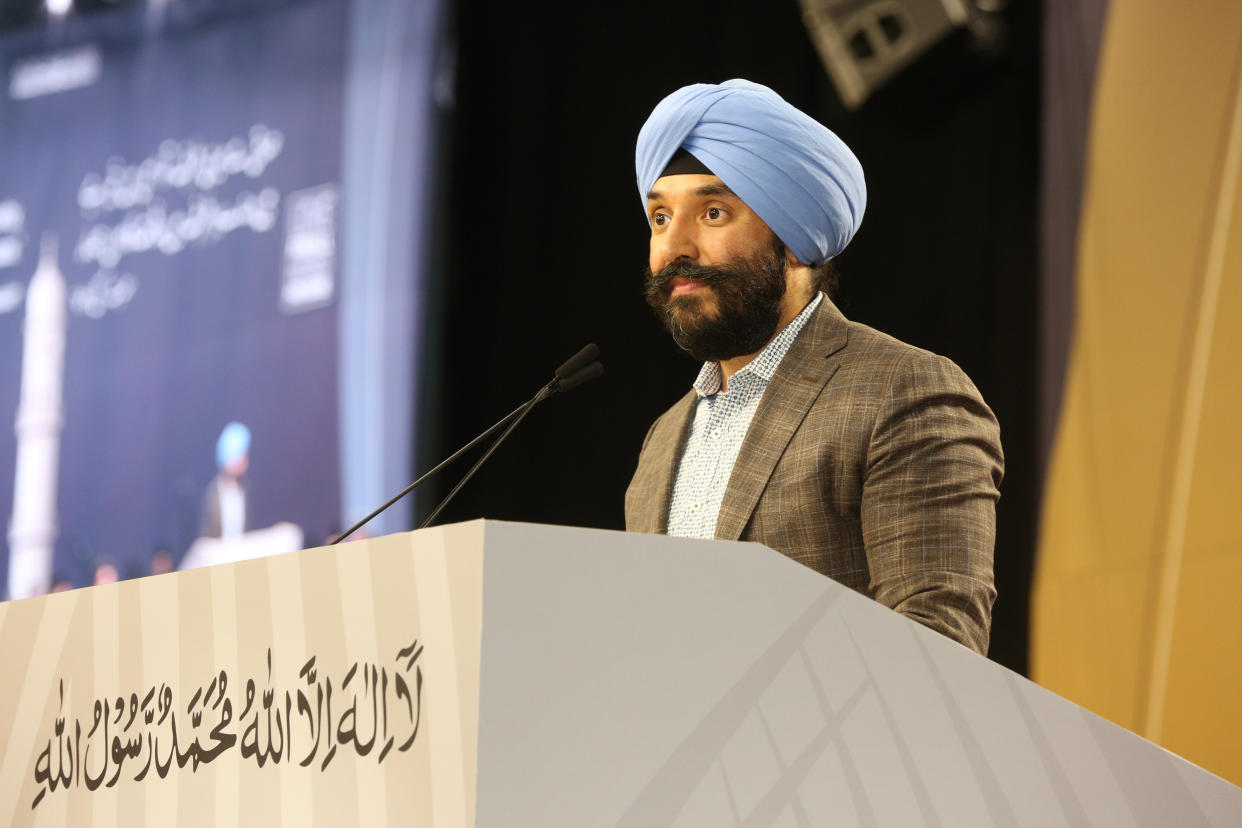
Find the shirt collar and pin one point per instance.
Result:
(763, 366)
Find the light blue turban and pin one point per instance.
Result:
(233, 444)
(797, 176)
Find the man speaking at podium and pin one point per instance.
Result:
(871, 461)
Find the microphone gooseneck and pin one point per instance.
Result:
(581, 367)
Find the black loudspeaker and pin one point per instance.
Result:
(864, 43)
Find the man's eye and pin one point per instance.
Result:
(714, 213)
(659, 219)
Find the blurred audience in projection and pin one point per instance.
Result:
(106, 572)
(161, 560)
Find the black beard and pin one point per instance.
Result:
(748, 295)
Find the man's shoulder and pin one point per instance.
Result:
(866, 359)
(864, 346)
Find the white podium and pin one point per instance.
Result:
(496, 674)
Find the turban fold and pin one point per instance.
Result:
(233, 444)
(797, 176)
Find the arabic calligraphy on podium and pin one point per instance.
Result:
(369, 711)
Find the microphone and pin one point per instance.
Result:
(578, 361)
(586, 374)
(579, 368)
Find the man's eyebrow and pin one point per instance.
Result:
(705, 190)
(714, 190)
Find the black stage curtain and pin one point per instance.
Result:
(542, 241)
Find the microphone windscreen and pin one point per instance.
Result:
(586, 374)
(578, 361)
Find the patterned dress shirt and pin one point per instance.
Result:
(721, 420)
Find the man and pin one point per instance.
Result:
(225, 512)
(871, 461)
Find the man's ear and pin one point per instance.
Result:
(799, 278)
(791, 261)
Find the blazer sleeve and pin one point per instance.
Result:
(931, 483)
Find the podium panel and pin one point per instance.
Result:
(309, 689)
(496, 674)
(644, 680)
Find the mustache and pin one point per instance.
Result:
(708, 274)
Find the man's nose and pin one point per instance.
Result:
(679, 241)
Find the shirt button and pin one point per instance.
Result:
(716, 432)
(694, 507)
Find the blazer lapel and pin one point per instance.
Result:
(660, 460)
(811, 361)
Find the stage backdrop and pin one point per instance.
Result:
(1135, 610)
(223, 202)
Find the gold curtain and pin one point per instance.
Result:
(1137, 605)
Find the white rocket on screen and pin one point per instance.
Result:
(40, 417)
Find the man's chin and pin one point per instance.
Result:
(699, 305)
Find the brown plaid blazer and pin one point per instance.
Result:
(870, 461)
